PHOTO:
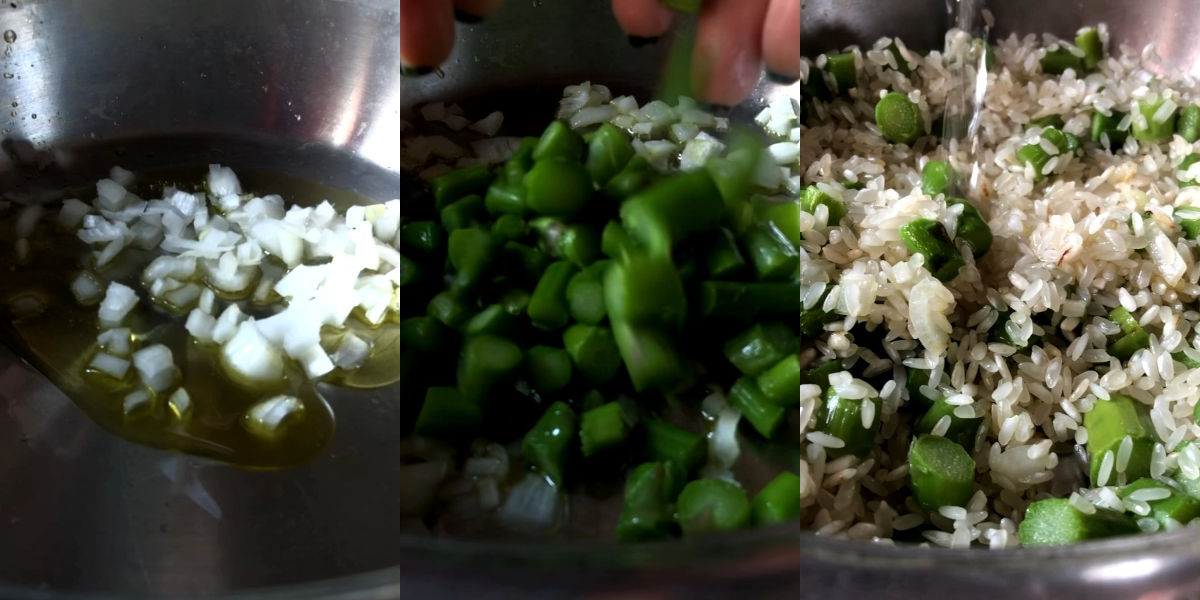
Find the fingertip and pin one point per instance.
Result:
(781, 39)
(727, 60)
(642, 18)
(426, 33)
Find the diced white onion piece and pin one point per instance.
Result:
(137, 404)
(269, 418)
(249, 253)
(593, 115)
(180, 404)
(28, 220)
(182, 297)
(176, 267)
(376, 297)
(301, 281)
(97, 229)
(351, 353)
(85, 288)
(532, 506)
(314, 360)
(121, 176)
(183, 202)
(113, 366)
(118, 300)
(226, 275)
(117, 341)
(207, 301)
(490, 124)
(200, 325)
(784, 153)
(110, 251)
(146, 236)
(111, 195)
(227, 324)
(222, 181)
(159, 287)
(251, 358)
(264, 292)
(387, 224)
(156, 367)
(228, 202)
(200, 219)
(72, 212)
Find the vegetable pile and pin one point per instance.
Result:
(276, 293)
(575, 277)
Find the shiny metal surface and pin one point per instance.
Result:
(307, 88)
(525, 47)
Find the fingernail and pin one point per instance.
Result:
(781, 79)
(638, 41)
(408, 71)
(463, 16)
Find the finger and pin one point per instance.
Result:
(727, 58)
(642, 18)
(471, 11)
(781, 38)
(426, 33)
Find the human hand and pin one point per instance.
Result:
(733, 38)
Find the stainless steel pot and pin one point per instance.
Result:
(527, 46)
(303, 87)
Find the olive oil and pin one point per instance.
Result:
(42, 321)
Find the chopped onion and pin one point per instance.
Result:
(72, 212)
(351, 353)
(532, 506)
(227, 324)
(376, 297)
(118, 301)
(207, 301)
(113, 366)
(490, 124)
(85, 288)
(110, 251)
(164, 285)
(182, 297)
(117, 341)
(222, 181)
(98, 229)
(176, 267)
(137, 404)
(301, 281)
(183, 202)
(250, 357)
(226, 275)
(122, 176)
(180, 404)
(156, 367)
(200, 325)
(314, 360)
(146, 236)
(264, 293)
(269, 418)
(111, 195)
